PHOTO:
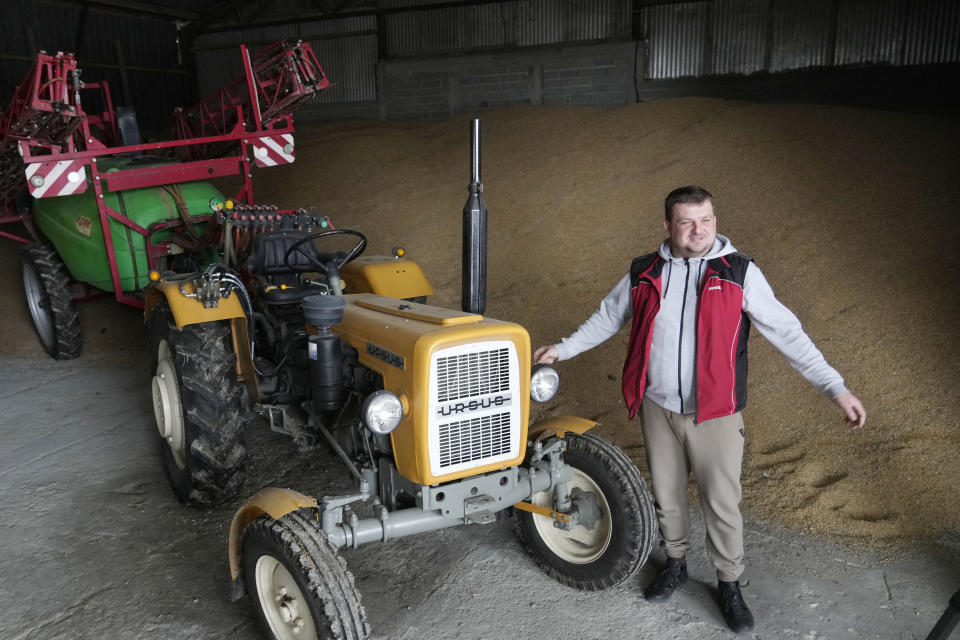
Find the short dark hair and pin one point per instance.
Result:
(690, 194)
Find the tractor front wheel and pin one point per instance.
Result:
(619, 525)
(196, 401)
(46, 286)
(300, 586)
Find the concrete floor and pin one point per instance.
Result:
(96, 546)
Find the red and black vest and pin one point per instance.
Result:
(722, 332)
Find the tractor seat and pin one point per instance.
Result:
(269, 249)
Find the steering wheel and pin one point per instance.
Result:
(332, 266)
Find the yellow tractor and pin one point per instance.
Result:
(427, 408)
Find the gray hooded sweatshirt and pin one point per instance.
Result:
(671, 369)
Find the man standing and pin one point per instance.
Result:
(691, 304)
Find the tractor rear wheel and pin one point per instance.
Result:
(621, 524)
(196, 402)
(300, 586)
(46, 286)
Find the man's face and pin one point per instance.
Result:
(692, 229)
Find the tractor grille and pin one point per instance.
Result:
(475, 406)
(475, 439)
(472, 374)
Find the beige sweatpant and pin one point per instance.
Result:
(713, 451)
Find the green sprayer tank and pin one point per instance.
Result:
(72, 224)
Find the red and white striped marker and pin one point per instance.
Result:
(269, 151)
(61, 178)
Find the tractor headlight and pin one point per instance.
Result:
(544, 383)
(382, 412)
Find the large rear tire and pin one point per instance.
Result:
(46, 286)
(300, 586)
(196, 402)
(621, 539)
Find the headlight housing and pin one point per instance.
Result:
(382, 412)
(544, 382)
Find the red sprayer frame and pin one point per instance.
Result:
(49, 143)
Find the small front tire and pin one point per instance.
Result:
(623, 535)
(300, 586)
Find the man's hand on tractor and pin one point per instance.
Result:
(852, 408)
(547, 354)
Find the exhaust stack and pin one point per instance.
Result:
(473, 295)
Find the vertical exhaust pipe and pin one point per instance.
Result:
(473, 294)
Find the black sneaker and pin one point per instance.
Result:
(735, 610)
(669, 580)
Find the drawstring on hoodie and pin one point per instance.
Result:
(669, 268)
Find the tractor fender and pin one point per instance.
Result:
(557, 425)
(188, 310)
(271, 501)
(385, 276)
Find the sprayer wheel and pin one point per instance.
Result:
(46, 287)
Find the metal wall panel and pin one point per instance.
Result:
(539, 22)
(400, 4)
(148, 46)
(288, 11)
(504, 24)
(344, 26)
(868, 31)
(54, 26)
(932, 32)
(349, 60)
(574, 21)
(740, 30)
(217, 68)
(12, 73)
(350, 64)
(800, 35)
(702, 37)
(259, 37)
(145, 41)
(675, 34)
(15, 18)
(411, 33)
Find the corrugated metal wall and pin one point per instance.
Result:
(695, 38)
(137, 55)
(932, 33)
(801, 34)
(346, 49)
(683, 39)
(740, 35)
(451, 29)
(502, 24)
(676, 38)
(715, 37)
(869, 31)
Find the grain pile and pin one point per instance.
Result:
(851, 214)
